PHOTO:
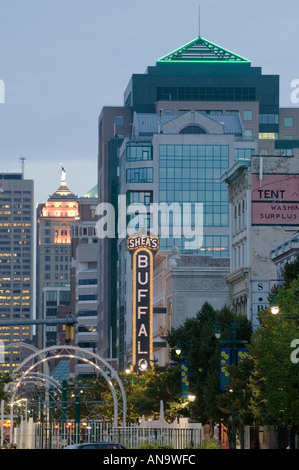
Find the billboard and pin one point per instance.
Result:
(275, 199)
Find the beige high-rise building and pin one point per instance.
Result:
(54, 218)
(16, 266)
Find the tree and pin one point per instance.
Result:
(277, 374)
(202, 350)
(4, 380)
(235, 402)
(290, 272)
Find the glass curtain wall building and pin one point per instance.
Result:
(166, 160)
(185, 156)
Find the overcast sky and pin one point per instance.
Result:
(62, 60)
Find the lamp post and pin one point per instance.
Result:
(233, 342)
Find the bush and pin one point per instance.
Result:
(153, 446)
(210, 444)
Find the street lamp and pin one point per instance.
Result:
(191, 397)
(274, 310)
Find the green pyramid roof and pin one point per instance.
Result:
(200, 51)
(92, 193)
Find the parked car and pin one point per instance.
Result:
(97, 445)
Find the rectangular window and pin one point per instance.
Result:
(140, 175)
(247, 134)
(243, 153)
(135, 152)
(119, 120)
(288, 121)
(143, 197)
(268, 135)
(247, 115)
(269, 119)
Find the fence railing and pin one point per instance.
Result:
(32, 435)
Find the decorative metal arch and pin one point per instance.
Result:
(93, 359)
(28, 346)
(42, 378)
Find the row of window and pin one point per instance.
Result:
(58, 258)
(61, 249)
(87, 282)
(87, 313)
(87, 297)
(206, 94)
(243, 153)
(194, 151)
(212, 245)
(269, 118)
(57, 267)
(139, 152)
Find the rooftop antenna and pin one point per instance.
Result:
(199, 21)
(23, 164)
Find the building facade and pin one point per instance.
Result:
(264, 199)
(84, 278)
(16, 264)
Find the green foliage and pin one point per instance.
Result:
(275, 383)
(202, 350)
(291, 272)
(4, 380)
(210, 444)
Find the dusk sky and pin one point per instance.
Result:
(62, 61)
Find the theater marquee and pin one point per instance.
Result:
(143, 249)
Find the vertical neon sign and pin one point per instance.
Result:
(143, 249)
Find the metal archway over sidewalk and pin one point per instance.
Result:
(74, 352)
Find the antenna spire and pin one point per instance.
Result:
(199, 21)
(22, 163)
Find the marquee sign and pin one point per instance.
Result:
(143, 249)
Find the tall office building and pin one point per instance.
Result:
(55, 218)
(114, 124)
(171, 117)
(84, 277)
(16, 263)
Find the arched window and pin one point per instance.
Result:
(193, 130)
